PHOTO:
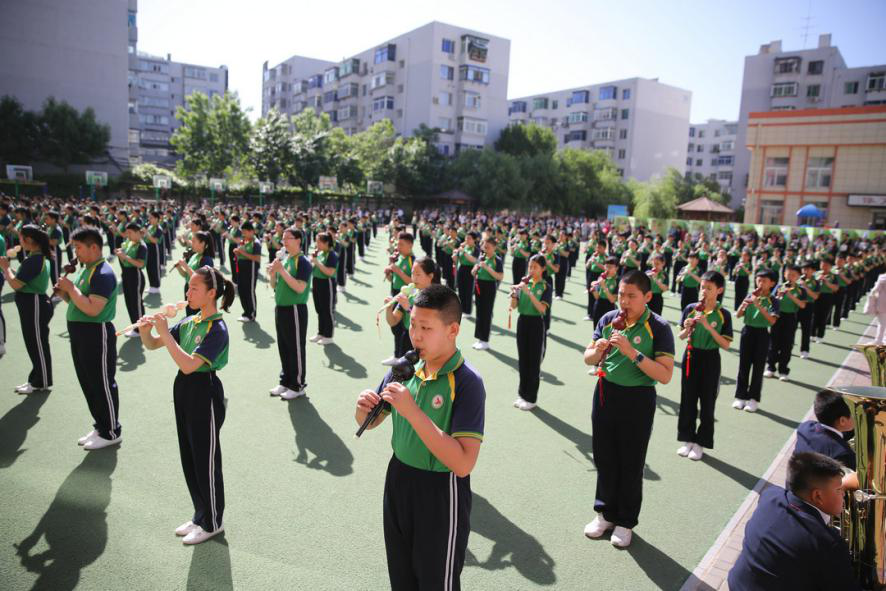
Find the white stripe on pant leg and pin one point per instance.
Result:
(138, 295)
(331, 311)
(453, 520)
(212, 443)
(107, 387)
(300, 377)
(37, 337)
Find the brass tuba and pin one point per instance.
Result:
(863, 522)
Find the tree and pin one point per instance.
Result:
(213, 138)
(655, 199)
(311, 148)
(526, 140)
(19, 141)
(270, 147)
(67, 136)
(493, 178)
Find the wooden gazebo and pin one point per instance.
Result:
(705, 209)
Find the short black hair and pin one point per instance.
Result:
(829, 407)
(767, 273)
(809, 470)
(792, 267)
(297, 234)
(406, 236)
(88, 235)
(714, 277)
(441, 298)
(247, 225)
(638, 279)
(611, 260)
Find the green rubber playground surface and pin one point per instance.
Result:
(303, 497)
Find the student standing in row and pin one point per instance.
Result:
(531, 298)
(132, 255)
(488, 271)
(759, 313)
(325, 265)
(248, 258)
(791, 299)
(202, 247)
(424, 273)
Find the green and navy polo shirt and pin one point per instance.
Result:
(661, 276)
(542, 292)
(204, 338)
(720, 320)
(327, 259)
(134, 250)
(688, 280)
(34, 273)
(95, 279)
(454, 398)
(786, 305)
(300, 268)
(650, 335)
(497, 265)
(754, 318)
(404, 263)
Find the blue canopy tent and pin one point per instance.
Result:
(809, 213)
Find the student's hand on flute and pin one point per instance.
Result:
(399, 397)
(4, 263)
(64, 285)
(621, 342)
(367, 400)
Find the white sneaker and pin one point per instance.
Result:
(804, 354)
(185, 528)
(87, 437)
(587, 318)
(738, 404)
(315, 338)
(99, 442)
(292, 394)
(277, 390)
(684, 450)
(481, 346)
(325, 341)
(340, 289)
(199, 535)
(517, 402)
(752, 406)
(132, 334)
(558, 297)
(768, 374)
(389, 361)
(478, 345)
(695, 453)
(153, 290)
(621, 537)
(816, 339)
(25, 388)
(526, 405)
(2, 349)
(598, 527)
(783, 377)
(244, 319)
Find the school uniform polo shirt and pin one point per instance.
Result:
(95, 279)
(498, 265)
(463, 259)
(404, 263)
(34, 273)
(204, 338)
(753, 317)
(300, 268)
(650, 335)
(327, 259)
(542, 292)
(611, 284)
(406, 318)
(595, 263)
(787, 306)
(134, 250)
(661, 276)
(454, 399)
(720, 320)
(252, 247)
(689, 281)
(821, 276)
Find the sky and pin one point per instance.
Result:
(555, 44)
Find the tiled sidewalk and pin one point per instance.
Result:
(713, 569)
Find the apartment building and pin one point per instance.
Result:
(711, 152)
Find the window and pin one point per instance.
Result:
(442, 149)
(476, 126)
(876, 81)
(622, 153)
(155, 137)
(444, 98)
(698, 162)
(447, 72)
(578, 117)
(691, 132)
(850, 88)
(699, 148)
(605, 114)
(517, 107)
(625, 113)
(815, 68)
(154, 119)
(387, 53)
(554, 104)
(700, 133)
(813, 90)
(775, 174)
(622, 134)
(474, 74)
(784, 89)
(444, 123)
(819, 172)
(714, 161)
(213, 77)
(333, 116)
(133, 136)
(725, 175)
(578, 135)
(472, 100)
(689, 162)
(349, 67)
(626, 94)
(133, 107)
(329, 97)
(608, 92)
(539, 103)
(727, 146)
(770, 212)
(476, 47)
(330, 75)
(382, 103)
(448, 46)
(194, 72)
(153, 85)
(315, 81)
(787, 65)
(579, 97)
(381, 79)
(347, 91)
(154, 101)
(132, 49)
(346, 113)
(607, 133)
(131, 20)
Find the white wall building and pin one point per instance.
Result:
(440, 75)
(711, 152)
(818, 78)
(640, 122)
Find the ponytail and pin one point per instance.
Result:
(39, 236)
(213, 279)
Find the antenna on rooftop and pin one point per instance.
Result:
(807, 25)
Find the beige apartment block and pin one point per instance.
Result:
(832, 158)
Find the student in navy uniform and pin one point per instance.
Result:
(467, 256)
(791, 300)
(154, 244)
(199, 346)
(759, 313)
(291, 281)
(132, 255)
(641, 355)
(424, 273)
(438, 418)
(2, 283)
(325, 266)
(711, 330)
(248, 259)
(489, 270)
(202, 252)
(92, 304)
(825, 435)
(31, 283)
(531, 299)
(400, 274)
(54, 231)
(605, 292)
(789, 542)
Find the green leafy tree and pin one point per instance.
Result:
(19, 142)
(526, 140)
(270, 147)
(68, 137)
(213, 138)
(493, 178)
(311, 145)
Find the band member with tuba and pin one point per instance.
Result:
(438, 418)
(531, 297)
